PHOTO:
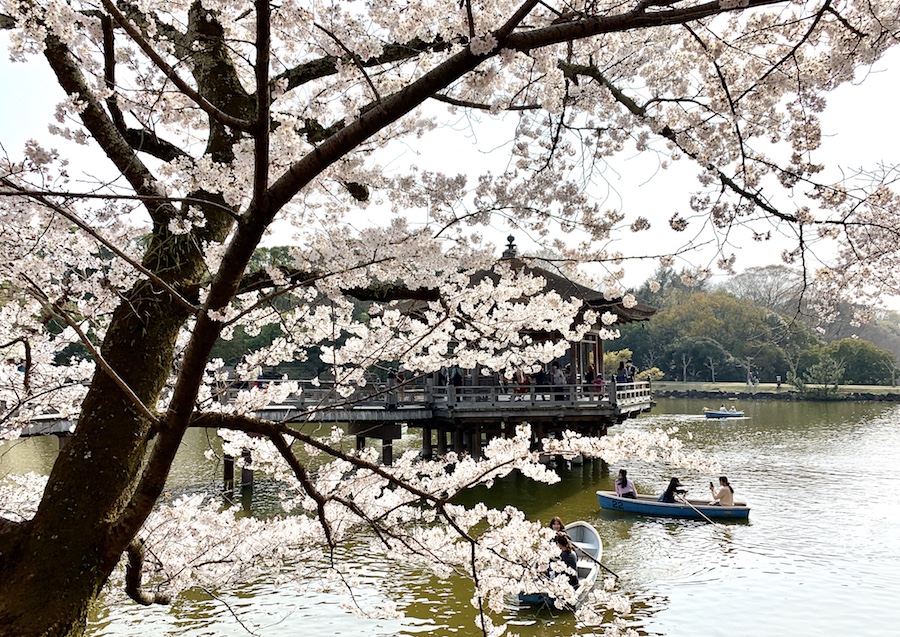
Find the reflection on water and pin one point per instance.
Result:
(818, 555)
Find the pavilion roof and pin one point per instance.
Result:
(557, 281)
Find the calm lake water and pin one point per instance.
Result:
(819, 555)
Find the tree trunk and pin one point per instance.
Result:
(53, 567)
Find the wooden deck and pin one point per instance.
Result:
(464, 418)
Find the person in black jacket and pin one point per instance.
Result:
(671, 491)
(567, 557)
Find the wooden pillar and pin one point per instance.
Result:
(538, 434)
(458, 440)
(475, 442)
(360, 443)
(427, 450)
(62, 439)
(598, 348)
(387, 451)
(441, 442)
(247, 470)
(574, 363)
(228, 471)
(612, 391)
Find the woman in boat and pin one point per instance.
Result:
(567, 557)
(671, 491)
(725, 493)
(557, 524)
(624, 486)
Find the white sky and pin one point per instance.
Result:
(859, 123)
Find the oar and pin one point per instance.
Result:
(594, 559)
(697, 511)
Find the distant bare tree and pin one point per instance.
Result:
(775, 287)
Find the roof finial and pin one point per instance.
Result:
(511, 250)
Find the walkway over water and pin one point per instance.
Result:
(468, 415)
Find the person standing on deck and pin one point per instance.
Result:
(559, 381)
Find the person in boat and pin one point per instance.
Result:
(624, 486)
(733, 409)
(557, 524)
(567, 557)
(724, 495)
(671, 491)
(723, 408)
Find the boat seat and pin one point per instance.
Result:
(585, 546)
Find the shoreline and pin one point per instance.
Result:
(845, 393)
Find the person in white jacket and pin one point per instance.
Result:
(724, 495)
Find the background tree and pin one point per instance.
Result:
(216, 123)
(863, 363)
(776, 288)
(823, 378)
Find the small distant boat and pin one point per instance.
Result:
(648, 505)
(723, 413)
(588, 551)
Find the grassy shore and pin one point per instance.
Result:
(764, 388)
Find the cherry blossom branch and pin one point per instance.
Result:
(109, 71)
(728, 98)
(727, 182)
(24, 192)
(353, 57)
(210, 108)
(133, 573)
(26, 382)
(261, 160)
(140, 140)
(228, 607)
(446, 99)
(104, 131)
(792, 52)
(248, 424)
(470, 18)
(63, 212)
(303, 476)
(323, 67)
(262, 280)
(55, 310)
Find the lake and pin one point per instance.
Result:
(814, 558)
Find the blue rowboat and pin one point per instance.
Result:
(588, 551)
(718, 413)
(648, 505)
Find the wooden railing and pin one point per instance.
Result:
(423, 393)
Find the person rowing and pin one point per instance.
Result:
(671, 491)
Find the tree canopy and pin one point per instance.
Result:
(717, 335)
(220, 122)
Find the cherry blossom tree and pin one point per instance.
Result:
(219, 122)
